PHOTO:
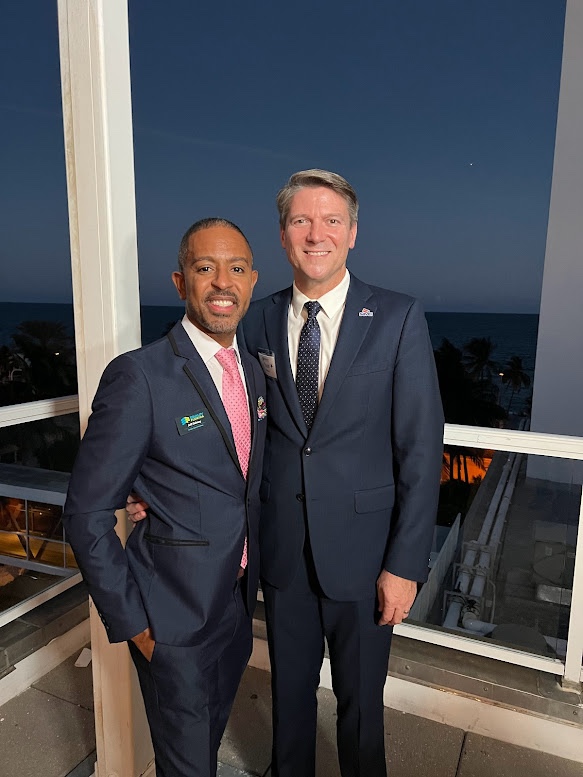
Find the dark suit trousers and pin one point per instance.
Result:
(298, 619)
(189, 691)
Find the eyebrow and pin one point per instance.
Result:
(305, 215)
(232, 260)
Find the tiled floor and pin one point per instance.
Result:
(416, 747)
(48, 732)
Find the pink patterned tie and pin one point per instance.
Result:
(237, 408)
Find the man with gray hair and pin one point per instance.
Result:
(350, 479)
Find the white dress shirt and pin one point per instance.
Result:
(329, 318)
(207, 349)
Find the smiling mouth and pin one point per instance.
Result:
(222, 303)
(317, 253)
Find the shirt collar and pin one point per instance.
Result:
(206, 346)
(331, 302)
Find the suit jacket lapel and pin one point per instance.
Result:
(353, 330)
(200, 378)
(252, 395)
(276, 317)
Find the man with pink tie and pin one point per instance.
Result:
(183, 422)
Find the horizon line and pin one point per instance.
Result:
(169, 305)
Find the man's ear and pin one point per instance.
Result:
(178, 281)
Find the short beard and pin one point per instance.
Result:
(215, 326)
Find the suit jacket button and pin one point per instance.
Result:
(300, 497)
(307, 451)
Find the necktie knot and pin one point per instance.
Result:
(313, 308)
(227, 358)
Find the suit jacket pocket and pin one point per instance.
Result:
(374, 499)
(170, 541)
(366, 368)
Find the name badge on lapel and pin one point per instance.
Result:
(267, 362)
(188, 423)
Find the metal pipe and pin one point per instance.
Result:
(466, 577)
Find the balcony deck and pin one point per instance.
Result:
(47, 731)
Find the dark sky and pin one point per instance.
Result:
(441, 113)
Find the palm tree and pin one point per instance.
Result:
(469, 397)
(515, 376)
(12, 365)
(454, 384)
(466, 399)
(48, 351)
(478, 358)
(14, 378)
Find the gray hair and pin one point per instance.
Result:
(207, 223)
(314, 178)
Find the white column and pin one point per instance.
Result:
(558, 381)
(95, 79)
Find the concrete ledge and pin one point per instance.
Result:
(491, 681)
(494, 682)
(40, 626)
(35, 666)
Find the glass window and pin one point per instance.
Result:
(444, 122)
(37, 357)
(487, 378)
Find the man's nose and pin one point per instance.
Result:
(316, 232)
(223, 278)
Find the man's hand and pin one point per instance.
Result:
(396, 596)
(145, 644)
(136, 509)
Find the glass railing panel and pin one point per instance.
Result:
(35, 461)
(49, 444)
(45, 520)
(46, 552)
(504, 550)
(13, 544)
(70, 560)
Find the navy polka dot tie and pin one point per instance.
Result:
(308, 363)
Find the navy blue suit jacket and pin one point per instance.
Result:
(367, 474)
(159, 427)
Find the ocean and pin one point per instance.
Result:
(514, 334)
